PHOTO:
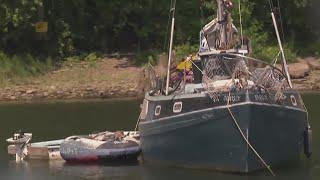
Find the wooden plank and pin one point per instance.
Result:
(38, 153)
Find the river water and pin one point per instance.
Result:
(56, 120)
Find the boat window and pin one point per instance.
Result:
(158, 110)
(293, 100)
(177, 107)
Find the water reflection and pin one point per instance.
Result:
(95, 171)
(61, 170)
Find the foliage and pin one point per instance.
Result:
(184, 50)
(78, 27)
(149, 56)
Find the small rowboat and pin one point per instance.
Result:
(20, 138)
(101, 147)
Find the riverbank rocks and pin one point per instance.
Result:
(313, 63)
(299, 70)
(65, 93)
(31, 91)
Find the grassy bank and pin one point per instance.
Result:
(73, 79)
(13, 68)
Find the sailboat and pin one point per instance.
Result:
(239, 114)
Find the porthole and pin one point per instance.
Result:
(293, 100)
(157, 111)
(177, 107)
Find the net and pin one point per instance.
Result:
(225, 73)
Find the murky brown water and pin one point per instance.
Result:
(60, 119)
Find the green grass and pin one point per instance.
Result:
(21, 66)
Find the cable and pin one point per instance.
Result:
(165, 44)
(271, 5)
(247, 141)
(138, 122)
(196, 66)
(240, 21)
(202, 20)
(281, 23)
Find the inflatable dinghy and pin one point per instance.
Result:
(101, 147)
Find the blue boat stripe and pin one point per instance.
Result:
(222, 107)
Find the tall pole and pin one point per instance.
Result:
(222, 21)
(173, 9)
(285, 65)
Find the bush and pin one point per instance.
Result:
(150, 56)
(184, 50)
(269, 53)
(91, 57)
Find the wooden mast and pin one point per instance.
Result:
(284, 61)
(172, 10)
(222, 21)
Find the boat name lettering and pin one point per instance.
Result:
(232, 98)
(118, 142)
(260, 97)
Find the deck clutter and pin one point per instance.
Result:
(101, 147)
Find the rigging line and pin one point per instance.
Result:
(271, 5)
(173, 8)
(196, 66)
(138, 122)
(202, 19)
(166, 44)
(274, 62)
(240, 20)
(246, 139)
(281, 21)
(201, 15)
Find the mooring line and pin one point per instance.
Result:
(247, 141)
(137, 124)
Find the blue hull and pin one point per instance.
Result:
(209, 139)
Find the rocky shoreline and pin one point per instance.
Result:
(91, 92)
(305, 74)
(106, 78)
(52, 93)
(104, 82)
